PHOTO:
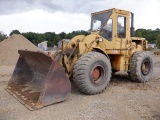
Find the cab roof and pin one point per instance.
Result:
(112, 10)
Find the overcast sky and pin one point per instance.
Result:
(68, 15)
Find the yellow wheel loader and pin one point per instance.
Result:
(39, 80)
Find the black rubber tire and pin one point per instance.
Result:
(114, 72)
(83, 73)
(136, 72)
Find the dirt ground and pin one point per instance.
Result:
(122, 100)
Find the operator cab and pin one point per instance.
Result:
(103, 23)
(109, 23)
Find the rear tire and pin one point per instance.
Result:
(92, 73)
(141, 67)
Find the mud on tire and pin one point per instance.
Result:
(92, 73)
(141, 67)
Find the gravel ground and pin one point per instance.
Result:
(122, 100)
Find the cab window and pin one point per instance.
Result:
(121, 28)
(106, 31)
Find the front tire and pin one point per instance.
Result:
(141, 67)
(92, 73)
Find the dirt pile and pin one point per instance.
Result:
(9, 49)
(157, 53)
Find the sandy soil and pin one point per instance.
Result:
(122, 100)
(10, 46)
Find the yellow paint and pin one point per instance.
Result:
(119, 49)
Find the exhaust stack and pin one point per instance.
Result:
(132, 25)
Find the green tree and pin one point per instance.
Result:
(148, 34)
(31, 36)
(138, 33)
(62, 35)
(2, 36)
(51, 37)
(14, 32)
(56, 39)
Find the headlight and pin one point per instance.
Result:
(100, 39)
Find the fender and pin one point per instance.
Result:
(98, 49)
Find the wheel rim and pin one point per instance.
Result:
(145, 67)
(97, 74)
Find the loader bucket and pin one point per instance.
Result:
(38, 80)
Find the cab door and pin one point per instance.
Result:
(122, 30)
(107, 33)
